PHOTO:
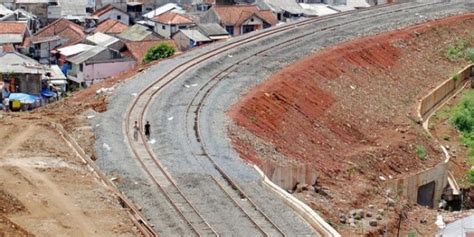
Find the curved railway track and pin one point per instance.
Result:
(235, 194)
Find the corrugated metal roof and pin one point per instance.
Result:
(4, 10)
(74, 49)
(84, 56)
(135, 33)
(11, 38)
(195, 35)
(160, 10)
(317, 9)
(18, 63)
(290, 6)
(212, 29)
(102, 39)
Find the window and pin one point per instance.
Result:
(230, 30)
(251, 19)
(182, 27)
(81, 67)
(247, 28)
(163, 27)
(119, 17)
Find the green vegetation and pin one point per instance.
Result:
(421, 152)
(470, 176)
(470, 54)
(463, 120)
(456, 77)
(456, 50)
(460, 50)
(160, 51)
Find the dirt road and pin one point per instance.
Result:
(45, 189)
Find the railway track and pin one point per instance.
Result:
(156, 171)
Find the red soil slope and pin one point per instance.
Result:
(349, 110)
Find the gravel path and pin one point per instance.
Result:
(172, 128)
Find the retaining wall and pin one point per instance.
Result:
(442, 92)
(287, 175)
(408, 187)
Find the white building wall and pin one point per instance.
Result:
(115, 14)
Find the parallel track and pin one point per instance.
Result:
(163, 180)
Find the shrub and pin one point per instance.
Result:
(456, 77)
(456, 50)
(470, 176)
(160, 51)
(421, 152)
(470, 54)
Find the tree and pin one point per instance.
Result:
(159, 51)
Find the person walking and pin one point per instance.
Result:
(147, 130)
(136, 131)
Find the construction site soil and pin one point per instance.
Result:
(349, 112)
(45, 189)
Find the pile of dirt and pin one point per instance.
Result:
(350, 111)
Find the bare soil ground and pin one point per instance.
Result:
(46, 190)
(349, 111)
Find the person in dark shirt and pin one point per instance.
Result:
(147, 130)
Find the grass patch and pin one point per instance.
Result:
(421, 152)
(456, 50)
(463, 120)
(470, 54)
(470, 176)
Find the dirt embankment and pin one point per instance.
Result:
(45, 189)
(349, 111)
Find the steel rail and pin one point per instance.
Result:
(180, 69)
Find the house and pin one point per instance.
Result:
(22, 16)
(59, 33)
(240, 19)
(4, 11)
(97, 63)
(104, 40)
(14, 33)
(169, 23)
(190, 38)
(111, 12)
(38, 8)
(20, 73)
(10, 4)
(317, 9)
(213, 31)
(138, 32)
(73, 10)
(111, 27)
(285, 9)
(69, 51)
(138, 49)
(169, 7)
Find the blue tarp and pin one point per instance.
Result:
(47, 93)
(24, 98)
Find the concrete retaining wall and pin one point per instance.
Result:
(287, 175)
(408, 187)
(442, 92)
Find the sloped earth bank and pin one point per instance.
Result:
(46, 190)
(349, 111)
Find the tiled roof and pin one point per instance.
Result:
(9, 27)
(237, 14)
(138, 49)
(105, 9)
(111, 26)
(63, 28)
(172, 18)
